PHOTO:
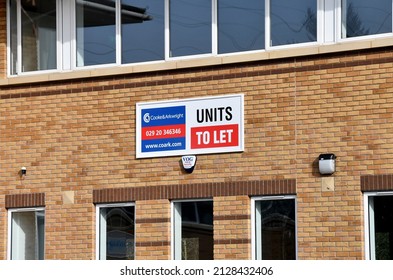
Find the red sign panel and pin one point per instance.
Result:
(215, 136)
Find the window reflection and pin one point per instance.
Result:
(362, 17)
(275, 229)
(241, 25)
(190, 27)
(96, 32)
(117, 233)
(143, 31)
(293, 22)
(197, 230)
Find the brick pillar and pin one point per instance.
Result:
(153, 225)
(232, 228)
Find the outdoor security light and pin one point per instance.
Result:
(327, 164)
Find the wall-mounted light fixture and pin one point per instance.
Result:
(22, 172)
(189, 163)
(327, 164)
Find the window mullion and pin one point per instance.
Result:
(177, 236)
(19, 37)
(118, 32)
(267, 25)
(167, 33)
(214, 27)
(371, 226)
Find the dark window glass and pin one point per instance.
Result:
(117, 232)
(241, 25)
(364, 17)
(277, 222)
(13, 36)
(96, 32)
(293, 22)
(142, 30)
(190, 27)
(197, 230)
(383, 218)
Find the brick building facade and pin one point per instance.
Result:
(75, 133)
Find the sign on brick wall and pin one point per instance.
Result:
(190, 126)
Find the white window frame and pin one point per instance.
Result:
(176, 226)
(369, 232)
(329, 29)
(256, 252)
(99, 219)
(9, 218)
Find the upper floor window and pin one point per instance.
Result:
(241, 25)
(142, 31)
(49, 35)
(190, 26)
(33, 35)
(364, 17)
(293, 22)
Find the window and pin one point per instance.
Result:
(293, 22)
(95, 32)
(379, 226)
(364, 17)
(50, 35)
(142, 33)
(241, 25)
(193, 230)
(116, 232)
(274, 228)
(190, 27)
(26, 234)
(33, 35)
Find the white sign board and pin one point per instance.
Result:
(190, 126)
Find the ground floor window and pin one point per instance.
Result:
(379, 226)
(116, 232)
(274, 228)
(193, 230)
(26, 234)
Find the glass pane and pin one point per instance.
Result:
(38, 35)
(190, 27)
(241, 25)
(364, 17)
(119, 231)
(142, 30)
(278, 229)
(96, 32)
(13, 37)
(197, 230)
(293, 21)
(383, 217)
(27, 235)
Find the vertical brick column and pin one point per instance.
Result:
(232, 228)
(153, 230)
